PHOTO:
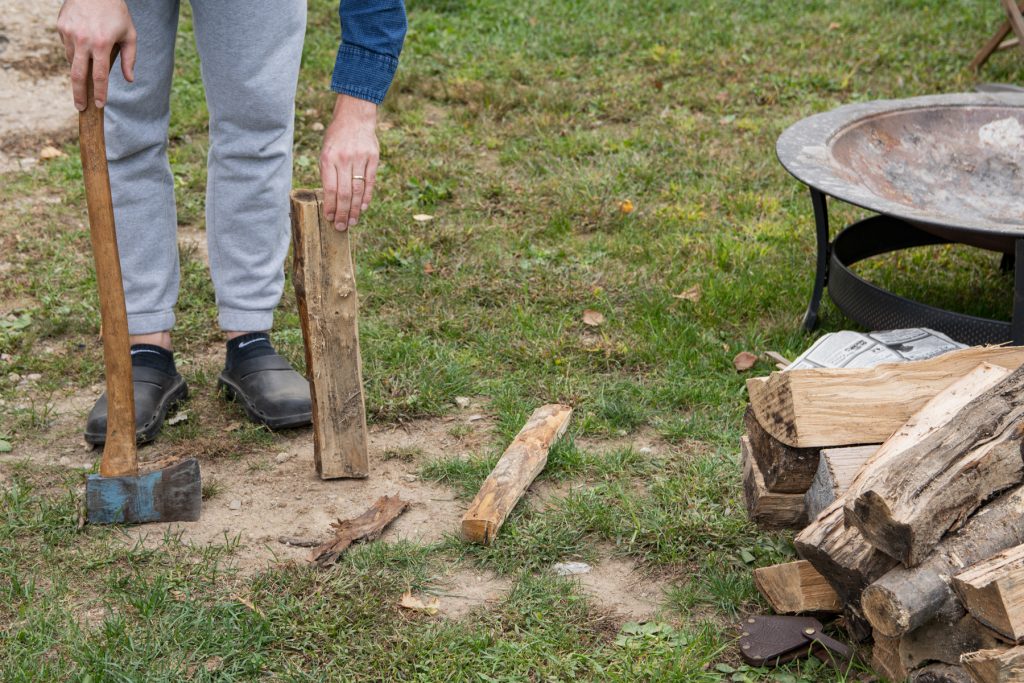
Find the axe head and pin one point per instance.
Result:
(172, 494)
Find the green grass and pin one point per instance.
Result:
(520, 127)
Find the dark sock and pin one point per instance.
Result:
(152, 356)
(252, 345)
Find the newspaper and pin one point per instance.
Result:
(848, 349)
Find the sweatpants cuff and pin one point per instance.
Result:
(235, 320)
(148, 323)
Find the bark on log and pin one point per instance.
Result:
(907, 501)
(940, 673)
(785, 469)
(325, 287)
(837, 468)
(905, 599)
(522, 461)
(993, 591)
(996, 665)
(840, 554)
(845, 407)
(771, 511)
(796, 588)
(939, 642)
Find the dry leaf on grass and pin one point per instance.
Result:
(743, 361)
(409, 601)
(177, 418)
(50, 152)
(422, 217)
(428, 268)
(233, 427)
(593, 318)
(626, 206)
(693, 294)
(366, 527)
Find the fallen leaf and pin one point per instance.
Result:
(743, 361)
(177, 418)
(626, 206)
(233, 427)
(422, 217)
(834, 25)
(428, 268)
(593, 318)
(5, 446)
(411, 602)
(50, 152)
(693, 294)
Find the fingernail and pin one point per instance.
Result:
(351, 221)
(99, 104)
(340, 227)
(79, 107)
(365, 207)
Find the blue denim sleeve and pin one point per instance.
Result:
(372, 33)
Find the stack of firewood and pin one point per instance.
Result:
(906, 483)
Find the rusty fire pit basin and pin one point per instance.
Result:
(949, 165)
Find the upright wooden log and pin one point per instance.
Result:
(766, 509)
(906, 501)
(522, 461)
(845, 407)
(796, 588)
(993, 591)
(325, 286)
(785, 469)
(840, 554)
(905, 599)
(837, 468)
(996, 665)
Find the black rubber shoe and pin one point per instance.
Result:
(156, 393)
(270, 390)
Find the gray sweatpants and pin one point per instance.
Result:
(250, 52)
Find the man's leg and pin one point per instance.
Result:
(142, 188)
(250, 52)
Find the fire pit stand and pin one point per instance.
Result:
(940, 169)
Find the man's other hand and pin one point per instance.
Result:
(91, 29)
(348, 162)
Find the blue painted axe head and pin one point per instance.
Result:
(173, 494)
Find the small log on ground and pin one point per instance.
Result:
(325, 287)
(785, 469)
(845, 407)
(840, 554)
(906, 501)
(904, 599)
(996, 665)
(993, 591)
(837, 468)
(766, 509)
(796, 587)
(522, 461)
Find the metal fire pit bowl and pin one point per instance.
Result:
(938, 169)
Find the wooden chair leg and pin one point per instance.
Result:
(1014, 22)
(1016, 19)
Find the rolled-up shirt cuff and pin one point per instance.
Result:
(363, 73)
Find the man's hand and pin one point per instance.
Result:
(91, 29)
(348, 162)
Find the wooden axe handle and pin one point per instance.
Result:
(119, 454)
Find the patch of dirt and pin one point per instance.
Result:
(616, 584)
(191, 238)
(464, 591)
(35, 92)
